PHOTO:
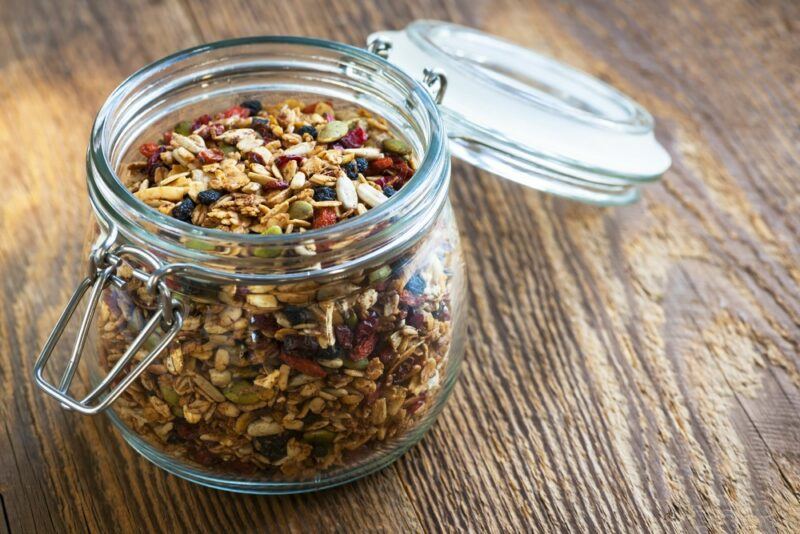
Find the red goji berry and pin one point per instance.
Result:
(236, 110)
(324, 217)
(379, 165)
(148, 149)
(307, 367)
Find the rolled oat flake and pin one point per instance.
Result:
(528, 118)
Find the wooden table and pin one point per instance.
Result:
(628, 369)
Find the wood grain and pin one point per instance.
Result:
(632, 369)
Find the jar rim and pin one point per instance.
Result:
(431, 176)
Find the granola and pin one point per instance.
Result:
(286, 380)
(286, 168)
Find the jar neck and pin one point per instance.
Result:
(216, 75)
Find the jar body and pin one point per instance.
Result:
(294, 386)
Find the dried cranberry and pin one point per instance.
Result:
(303, 365)
(344, 336)
(262, 126)
(283, 160)
(354, 138)
(410, 299)
(256, 158)
(202, 120)
(148, 149)
(154, 161)
(210, 155)
(416, 319)
(203, 456)
(364, 346)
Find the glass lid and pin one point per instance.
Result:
(529, 118)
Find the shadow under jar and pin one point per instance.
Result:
(222, 362)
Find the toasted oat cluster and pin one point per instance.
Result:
(281, 169)
(295, 379)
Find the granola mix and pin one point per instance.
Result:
(287, 168)
(287, 380)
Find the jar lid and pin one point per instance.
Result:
(528, 118)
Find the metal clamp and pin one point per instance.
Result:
(104, 260)
(434, 78)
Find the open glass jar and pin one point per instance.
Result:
(221, 363)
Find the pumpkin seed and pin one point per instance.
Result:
(241, 392)
(301, 210)
(396, 146)
(333, 131)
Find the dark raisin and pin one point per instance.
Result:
(344, 336)
(321, 450)
(351, 169)
(416, 285)
(209, 196)
(183, 211)
(389, 191)
(307, 129)
(273, 447)
(261, 126)
(305, 346)
(297, 315)
(324, 193)
(362, 165)
(330, 353)
(253, 105)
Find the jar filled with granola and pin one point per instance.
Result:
(275, 288)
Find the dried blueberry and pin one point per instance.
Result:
(361, 164)
(351, 169)
(307, 129)
(297, 315)
(183, 211)
(253, 105)
(209, 196)
(329, 353)
(416, 285)
(273, 447)
(389, 191)
(324, 193)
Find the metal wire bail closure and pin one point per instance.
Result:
(106, 256)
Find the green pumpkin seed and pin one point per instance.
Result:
(358, 365)
(169, 394)
(184, 128)
(319, 436)
(226, 148)
(380, 274)
(199, 245)
(396, 146)
(301, 210)
(241, 392)
(333, 131)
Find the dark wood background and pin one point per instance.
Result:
(631, 369)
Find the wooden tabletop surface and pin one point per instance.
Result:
(628, 369)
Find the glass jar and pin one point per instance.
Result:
(223, 351)
(227, 359)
